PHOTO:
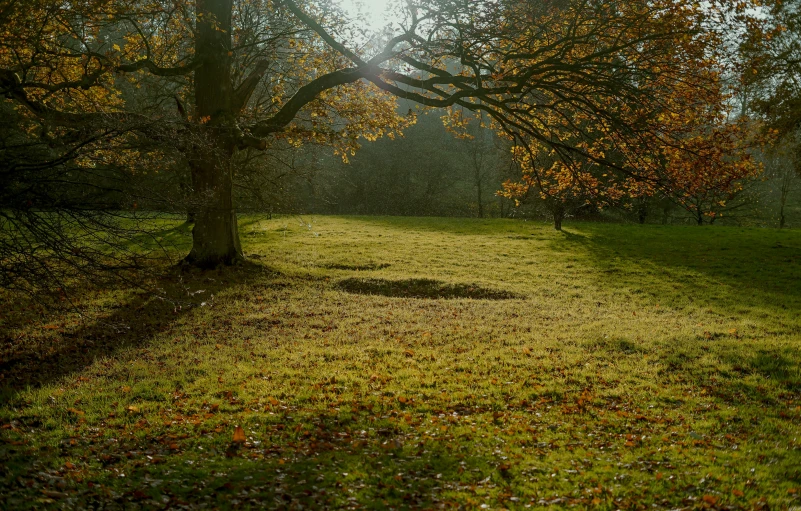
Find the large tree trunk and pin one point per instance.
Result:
(215, 237)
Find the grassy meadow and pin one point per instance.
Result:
(407, 363)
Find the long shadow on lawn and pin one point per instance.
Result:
(304, 459)
(151, 310)
(750, 273)
(781, 365)
(762, 267)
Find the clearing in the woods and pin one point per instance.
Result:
(419, 363)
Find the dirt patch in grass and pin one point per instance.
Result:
(356, 267)
(422, 288)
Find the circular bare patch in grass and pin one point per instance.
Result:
(421, 288)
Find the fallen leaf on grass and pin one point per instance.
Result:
(239, 436)
(55, 494)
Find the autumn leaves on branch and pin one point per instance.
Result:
(606, 101)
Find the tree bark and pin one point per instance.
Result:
(215, 236)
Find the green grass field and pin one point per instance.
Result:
(420, 363)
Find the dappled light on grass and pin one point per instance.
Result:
(635, 367)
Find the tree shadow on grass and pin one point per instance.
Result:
(299, 459)
(776, 366)
(51, 347)
(159, 237)
(761, 268)
(781, 367)
(763, 265)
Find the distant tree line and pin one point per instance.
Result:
(431, 172)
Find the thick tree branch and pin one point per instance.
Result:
(245, 90)
(304, 96)
(157, 70)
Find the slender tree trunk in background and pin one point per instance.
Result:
(215, 236)
(480, 198)
(785, 191)
(558, 216)
(666, 214)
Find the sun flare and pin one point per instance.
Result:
(375, 12)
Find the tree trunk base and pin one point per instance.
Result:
(210, 263)
(215, 240)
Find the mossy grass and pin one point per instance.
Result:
(371, 364)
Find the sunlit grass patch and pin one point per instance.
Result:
(633, 366)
